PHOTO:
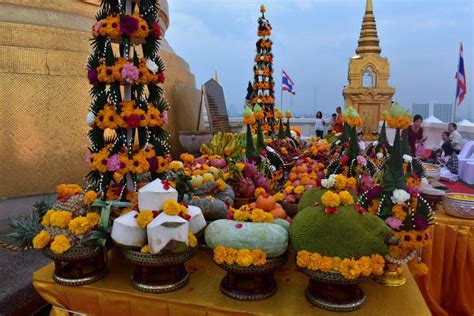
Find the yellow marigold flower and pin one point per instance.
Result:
(417, 268)
(378, 264)
(336, 262)
(241, 216)
(192, 240)
(145, 249)
(349, 269)
(299, 189)
(220, 254)
(326, 264)
(93, 218)
(78, 225)
(260, 216)
(398, 212)
(60, 219)
(314, 261)
(283, 151)
(346, 198)
(244, 257)
(60, 244)
(221, 185)
(46, 221)
(351, 183)
(227, 176)
(240, 166)
(374, 205)
(331, 199)
(144, 218)
(259, 257)
(230, 256)
(172, 208)
(188, 158)
(340, 182)
(289, 189)
(302, 258)
(365, 265)
(90, 197)
(66, 190)
(175, 165)
(279, 197)
(41, 240)
(305, 180)
(249, 120)
(259, 191)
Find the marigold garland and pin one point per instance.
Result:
(241, 257)
(255, 215)
(144, 218)
(348, 268)
(67, 190)
(173, 208)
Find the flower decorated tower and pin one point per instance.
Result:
(396, 200)
(128, 108)
(263, 85)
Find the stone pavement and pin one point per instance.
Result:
(17, 292)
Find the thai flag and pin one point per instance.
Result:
(286, 83)
(461, 86)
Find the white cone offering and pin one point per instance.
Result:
(197, 221)
(153, 195)
(126, 232)
(165, 228)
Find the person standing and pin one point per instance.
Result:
(455, 137)
(415, 134)
(331, 123)
(319, 124)
(338, 125)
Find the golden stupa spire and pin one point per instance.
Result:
(216, 79)
(368, 40)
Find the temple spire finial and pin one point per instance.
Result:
(368, 39)
(216, 78)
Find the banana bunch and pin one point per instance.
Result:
(224, 145)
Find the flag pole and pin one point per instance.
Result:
(281, 92)
(453, 120)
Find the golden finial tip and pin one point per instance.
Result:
(263, 9)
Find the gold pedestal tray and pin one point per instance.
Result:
(78, 266)
(392, 276)
(332, 292)
(251, 283)
(159, 273)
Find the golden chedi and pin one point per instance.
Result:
(368, 90)
(45, 92)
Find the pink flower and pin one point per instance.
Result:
(413, 192)
(361, 160)
(97, 27)
(394, 222)
(88, 157)
(344, 159)
(130, 73)
(113, 164)
(164, 115)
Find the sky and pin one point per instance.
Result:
(313, 41)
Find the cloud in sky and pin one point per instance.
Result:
(313, 41)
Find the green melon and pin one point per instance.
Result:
(271, 238)
(347, 234)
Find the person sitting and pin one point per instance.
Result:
(455, 137)
(361, 142)
(450, 163)
(415, 134)
(319, 124)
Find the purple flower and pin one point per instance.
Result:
(413, 192)
(361, 160)
(97, 27)
(92, 76)
(113, 164)
(394, 222)
(130, 73)
(165, 117)
(374, 192)
(128, 25)
(420, 222)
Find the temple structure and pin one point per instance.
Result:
(368, 90)
(44, 92)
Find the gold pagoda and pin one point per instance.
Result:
(368, 90)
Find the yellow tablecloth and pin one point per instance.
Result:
(449, 286)
(115, 296)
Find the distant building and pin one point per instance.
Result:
(442, 111)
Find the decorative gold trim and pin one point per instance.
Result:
(157, 289)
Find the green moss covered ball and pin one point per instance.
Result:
(347, 234)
